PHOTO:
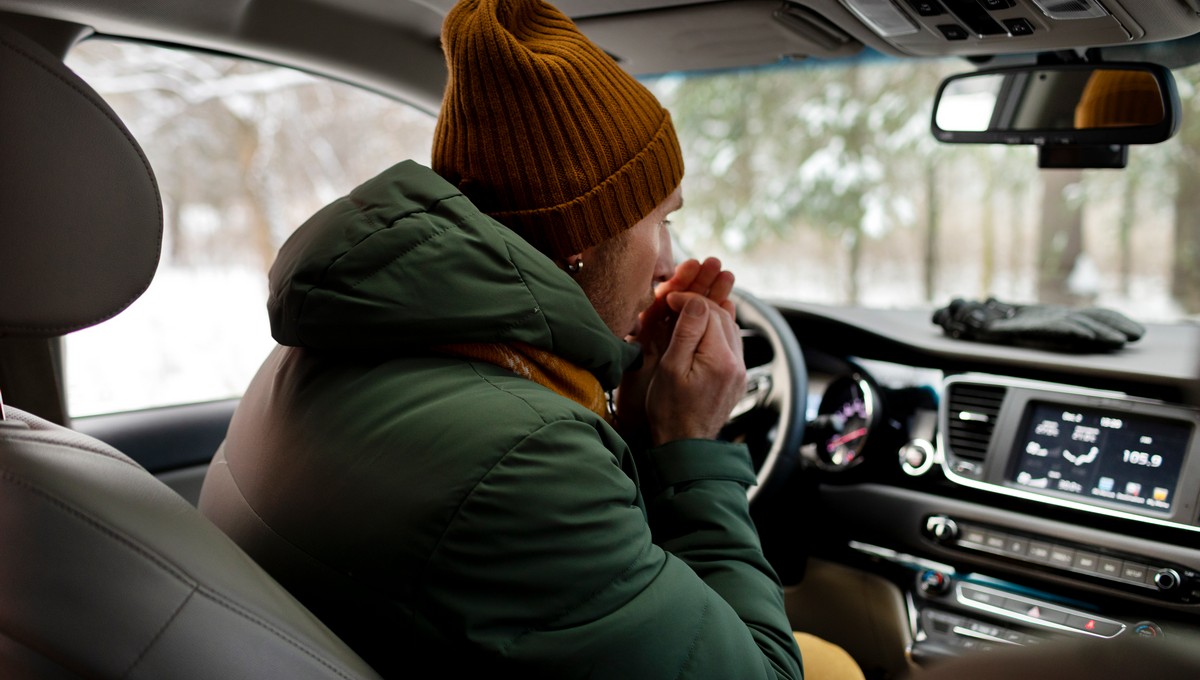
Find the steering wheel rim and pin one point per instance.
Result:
(779, 385)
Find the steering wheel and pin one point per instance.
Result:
(770, 417)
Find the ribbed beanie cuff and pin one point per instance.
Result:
(545, 132)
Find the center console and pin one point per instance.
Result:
(1023, 576)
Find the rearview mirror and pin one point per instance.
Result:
(1059, 105)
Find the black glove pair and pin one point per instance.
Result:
(1051, 327)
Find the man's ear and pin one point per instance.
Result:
(574, 263)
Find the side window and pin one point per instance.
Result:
(244, 152)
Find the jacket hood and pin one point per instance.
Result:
(405, 262)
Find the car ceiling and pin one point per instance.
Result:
(392, 45)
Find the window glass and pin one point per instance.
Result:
(244, 153)
(822, 182)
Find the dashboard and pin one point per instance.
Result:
(1010, 496)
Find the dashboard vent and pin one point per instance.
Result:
(971, 410)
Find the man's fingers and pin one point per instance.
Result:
(709, 271)
(685, 273)
(689, 330)
(733, 333)
(727, 328)
(724, 314)
(654, 328)
(721, 287)
(677, 300)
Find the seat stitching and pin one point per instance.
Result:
(249, 616)
(124, 540)
(68, 442)
(159, 634)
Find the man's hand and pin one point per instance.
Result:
(714, 342)
(701, 375)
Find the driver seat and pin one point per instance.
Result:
(104, 571)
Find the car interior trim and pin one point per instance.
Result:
(903, 559)
(1031, 620)
(967, 632)
(1059, 502)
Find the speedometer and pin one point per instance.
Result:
(846, 417)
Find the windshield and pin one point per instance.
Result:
(822, 183)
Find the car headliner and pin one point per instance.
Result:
(393, 46)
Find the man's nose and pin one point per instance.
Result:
(665, 267)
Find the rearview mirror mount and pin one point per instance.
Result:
(1079, 115)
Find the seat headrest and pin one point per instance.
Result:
(80, 213)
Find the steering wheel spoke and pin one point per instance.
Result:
(760, 387)
(776, 390)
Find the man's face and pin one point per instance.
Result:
(619, 275)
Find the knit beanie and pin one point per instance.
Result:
(544, 132)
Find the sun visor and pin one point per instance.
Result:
(80, 213)
(717, 36)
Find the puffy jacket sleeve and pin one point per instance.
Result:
(549, 565)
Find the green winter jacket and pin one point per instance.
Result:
(439, 512)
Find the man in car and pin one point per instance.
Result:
(429, 461)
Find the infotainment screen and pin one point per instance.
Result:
(1100, 455)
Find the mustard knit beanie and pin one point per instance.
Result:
(544, 132)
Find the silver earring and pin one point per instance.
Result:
(575, 267)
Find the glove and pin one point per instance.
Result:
(1050, 327)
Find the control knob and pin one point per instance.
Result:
(1148, 629)
(941, 528)
(1167, 579)
(916, 457)
(933, 582)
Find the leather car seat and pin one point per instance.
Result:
(104, 571)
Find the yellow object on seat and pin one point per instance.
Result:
(826, 660)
